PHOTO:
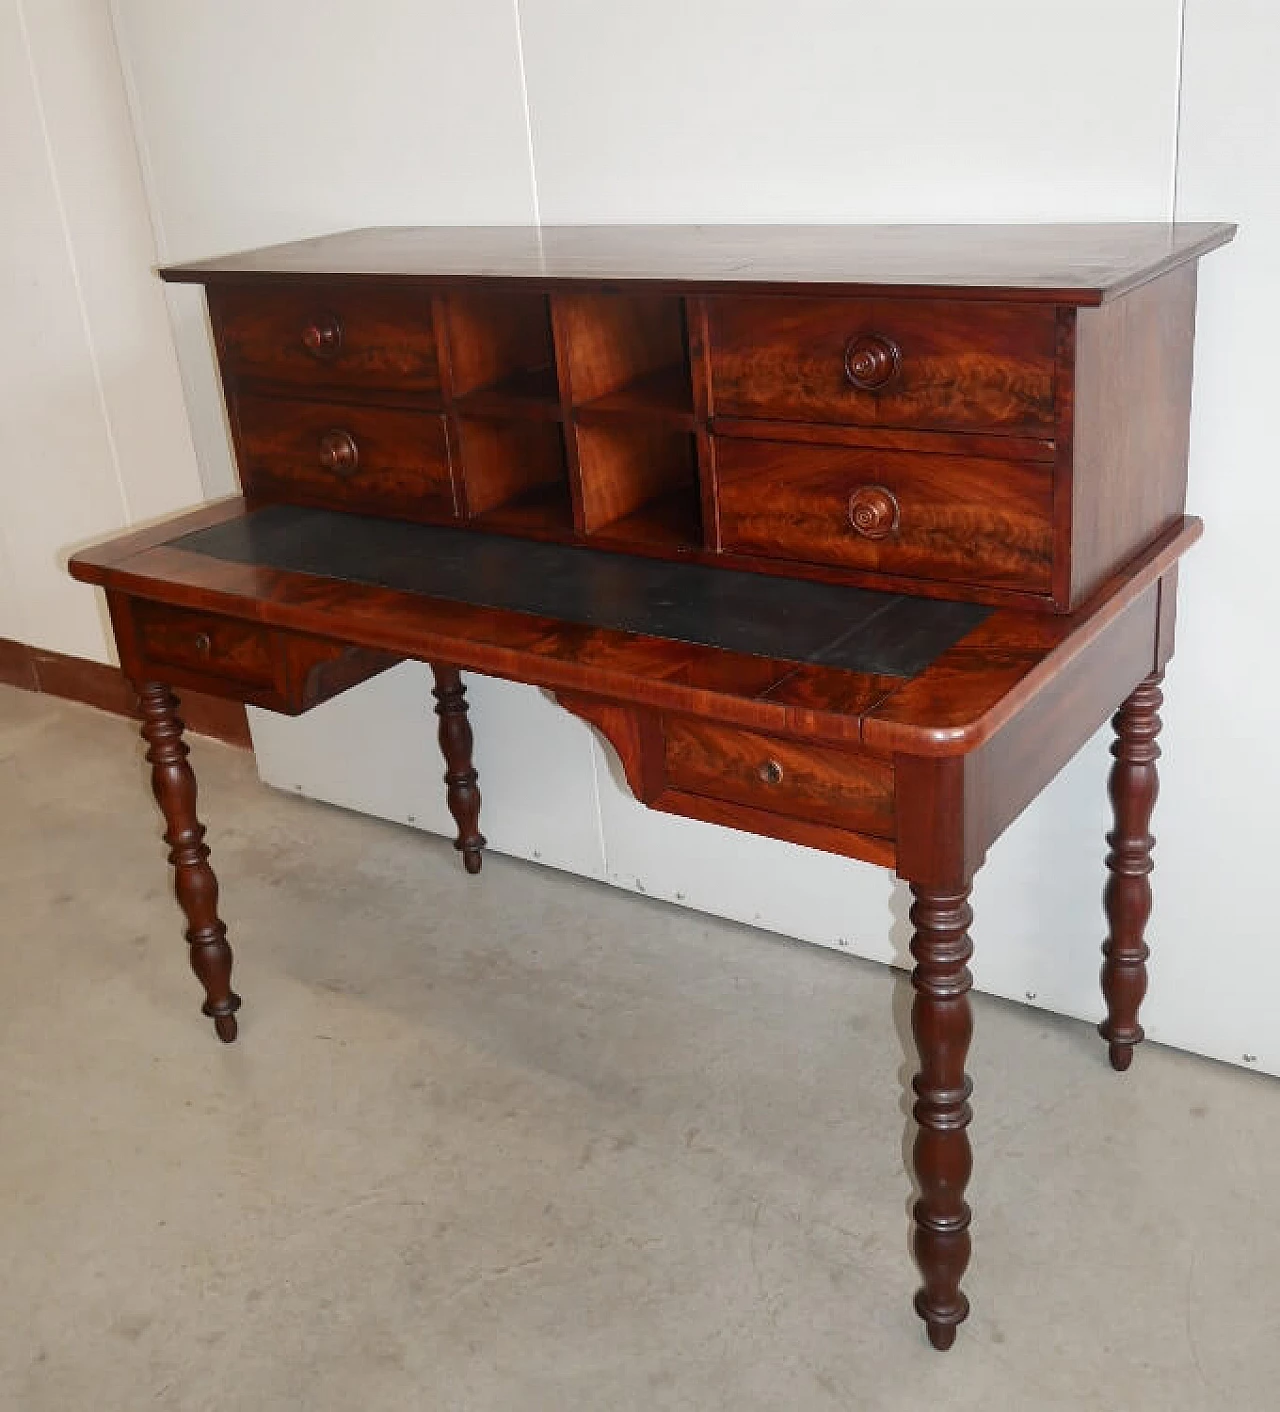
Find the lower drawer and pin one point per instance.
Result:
(226, 648)
(811, 782)
(351, 457)
(964, 519)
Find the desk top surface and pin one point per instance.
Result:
(833, 663)
(1074, 264)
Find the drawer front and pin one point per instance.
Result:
(930, 363)
(814, 783)
(202, 642)
(327, 336)
(956, 518)
(350, 457)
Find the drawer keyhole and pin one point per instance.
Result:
(204, 643)
(770, 772)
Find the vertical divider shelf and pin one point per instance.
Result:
(629, 418)
(502, 402)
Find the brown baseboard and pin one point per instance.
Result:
(96, 684)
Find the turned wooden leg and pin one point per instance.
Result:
(1133, 786)
(942, 1025)
(456, 744)
(174, 786)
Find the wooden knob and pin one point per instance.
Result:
(770, 772)
(204, 643)
(339, 452)
(873, 511)
(322, 337)
(871, 361)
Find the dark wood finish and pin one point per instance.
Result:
(940, 365)
(957, 518)
(175, 637)
(376, 459)
(637, 738)
(850, 790)
(325, 336)
(942, 1024)
(174, 786)
(1130, 408)
(628, 467)
(1133, 787)
(514, 470)
(461, 780)
(105, 687)
(501, 357)
(996, 415)
(1067, 264)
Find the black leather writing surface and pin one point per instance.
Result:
(797, 621)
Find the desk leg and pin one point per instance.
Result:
(174, 786)
(456, 745)
(942, 1025)
(1133, 786)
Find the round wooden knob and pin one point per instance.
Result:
(204, 643)
(770, 772)
(871, 361)
(339, 452)
(322, 337)
(873, 511)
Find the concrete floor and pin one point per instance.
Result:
(524, 1142)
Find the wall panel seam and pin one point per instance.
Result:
(69, 246)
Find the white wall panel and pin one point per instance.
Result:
(1219, 967)
(58, 481)
(90, 402)
(374, 749)
(754, 110)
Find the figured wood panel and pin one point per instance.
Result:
(347, 456)
(223, 647)
(958, 518)
(944, 364)
(325, 335)
(849, 790)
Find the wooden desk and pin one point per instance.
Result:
(850, 537)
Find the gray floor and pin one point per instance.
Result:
(524, 1142)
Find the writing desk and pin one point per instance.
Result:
(849, 537)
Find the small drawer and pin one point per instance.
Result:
(351, 457)
(963, 519)
(226, 648)
(327, 336)
(814, 783)
(930, 363)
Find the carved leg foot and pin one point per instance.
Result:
(1133, 786)
(174, 786)
(456, 744)
(942, 1025)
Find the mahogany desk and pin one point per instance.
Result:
(850, 537)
